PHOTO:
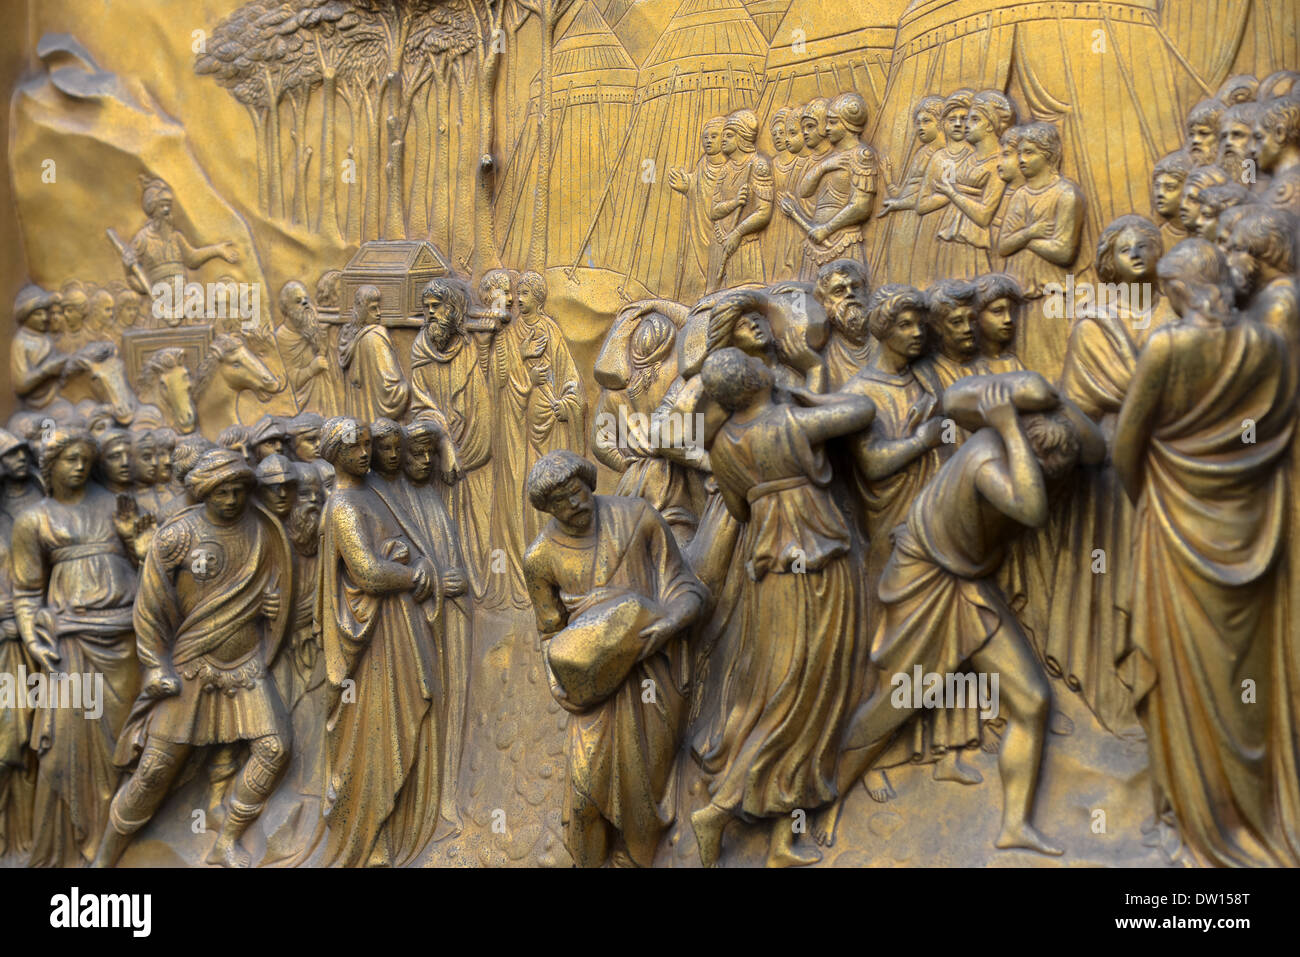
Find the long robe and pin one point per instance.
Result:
(925, 247)
(376, 388)
(526, 430)
(896, 237)
(885, 504)
(803, 622)
(844, 358)
(621, 752)
(692, 273)
(745, 265)
(423, 516)
(454, 382)
(70, 569)
(311, 393)
(963, 247)
(1084, 612)
(19, 765)
(382, 793)
(1209, 608)
(1041, 340)
(782, 238)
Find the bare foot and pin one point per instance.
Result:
(825, 822)
(950, 768)
(228, 853)
(1029, 837)
(708, 823)
(878, 787)
(1060, 723)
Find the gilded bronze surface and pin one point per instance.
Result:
(605, 432)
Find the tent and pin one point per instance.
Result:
(1216, 39)
(1112, 103)
(767, 14)
(639, 23)
(592, 85)
(708, 61)
(818, 50)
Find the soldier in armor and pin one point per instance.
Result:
(159, 252)
(842, 185)
(209, 620)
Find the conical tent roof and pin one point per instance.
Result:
(588, 47)
(709, 61)
(639, 23)
(821, 49)
(592, 85)
(703, 36)
(767, 14)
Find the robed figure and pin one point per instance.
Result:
(450, 379)
(375, 386)
(1200, 445)
(74, 583)
(376, 607)
(611, 594)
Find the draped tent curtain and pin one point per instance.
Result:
(1112, 107)
(1221, 38)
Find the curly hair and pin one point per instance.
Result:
(1110, 236)
(555, 469)
(992, 286)
(731, 378)
(1283, 114)
(1205, 113)
(1267, 234)
(1047, 138)
(54, 445)
(948, 294)
(1177, 164)
(1054, 441)
(888, 303)
(1200, 268)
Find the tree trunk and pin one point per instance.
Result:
(370, 223)
(275, 186)
(487, 254)
(327, 216)
(259, 135)
(541, 195)
(439, 213)
(301, 156)
(393, 137)
(418, 206)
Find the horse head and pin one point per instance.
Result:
(167, 379)
(106, 373)
(230, 360)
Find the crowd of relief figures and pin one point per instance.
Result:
(926, 494)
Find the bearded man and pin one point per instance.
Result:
(304, 345)
(843, 288)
